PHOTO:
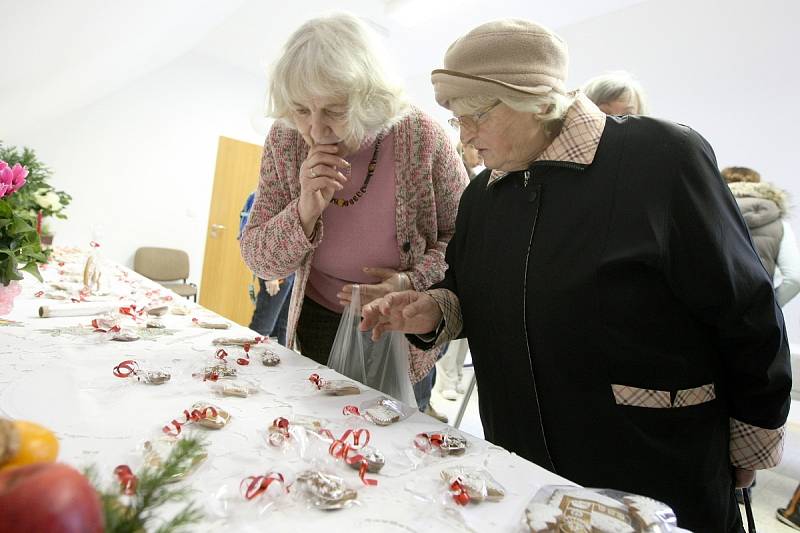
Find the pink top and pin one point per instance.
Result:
(359, 235)
(429, 179)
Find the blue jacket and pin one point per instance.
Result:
(244, 216)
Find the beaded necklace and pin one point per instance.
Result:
(370, 171)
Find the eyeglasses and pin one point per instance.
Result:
(471, 121)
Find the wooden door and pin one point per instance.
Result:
(226, 279)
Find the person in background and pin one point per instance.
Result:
(790, 515)
(356, 187)
(617, 93)
(623, 331)
(450, 369)
(272, 302)
(473, 161)
(765, 208)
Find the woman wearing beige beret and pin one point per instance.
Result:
(623, 330)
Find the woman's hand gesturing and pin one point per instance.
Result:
(406, 311)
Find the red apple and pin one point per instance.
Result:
(49, 497)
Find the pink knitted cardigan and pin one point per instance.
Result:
(430, 178)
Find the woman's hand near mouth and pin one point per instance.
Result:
(319, 180)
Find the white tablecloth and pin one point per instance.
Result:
(58, 372)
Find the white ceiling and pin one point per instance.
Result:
(59, 56)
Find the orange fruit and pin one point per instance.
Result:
(37, 444)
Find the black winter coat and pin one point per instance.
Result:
(635, 270)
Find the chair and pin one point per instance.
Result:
(166, 266)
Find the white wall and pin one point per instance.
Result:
(728, 68)
(140, 162)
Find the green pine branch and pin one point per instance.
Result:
(154, 489)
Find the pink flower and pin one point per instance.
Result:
(11, 178)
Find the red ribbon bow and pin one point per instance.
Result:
(341, 449)
(281, 423)
(131, 311)
(195, 415)
(357, 434)
(257, 485)
(316, 380)
(350, 455)
(127, 479)
(351, 410)
(246, 359)
(460, 494)
(82, 294)
(424, 442)
(279, 432)
(126, 368)
(362, 470)
(326, 433)
(99, 329)
(222, 354)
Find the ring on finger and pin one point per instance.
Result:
(313, 173)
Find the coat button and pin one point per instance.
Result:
(406, 246)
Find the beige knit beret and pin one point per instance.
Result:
(502, 58)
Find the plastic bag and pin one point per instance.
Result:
(238, 388)
(382, 365)
(559, 508)
(380, 411)
(157, 450)
(446, 443)
(250, 497)
(467, 484)
(333, 387)
(130, 369)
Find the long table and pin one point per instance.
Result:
(58, 372)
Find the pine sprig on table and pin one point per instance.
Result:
(153, 490)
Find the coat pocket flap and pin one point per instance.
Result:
(662, 399)
(627, 395)
(695, 396)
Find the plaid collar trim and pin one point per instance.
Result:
(580, 135)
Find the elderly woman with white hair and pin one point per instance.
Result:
(356, 187)
(617, 93)
(623, 331)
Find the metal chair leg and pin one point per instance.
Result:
(463, 407)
